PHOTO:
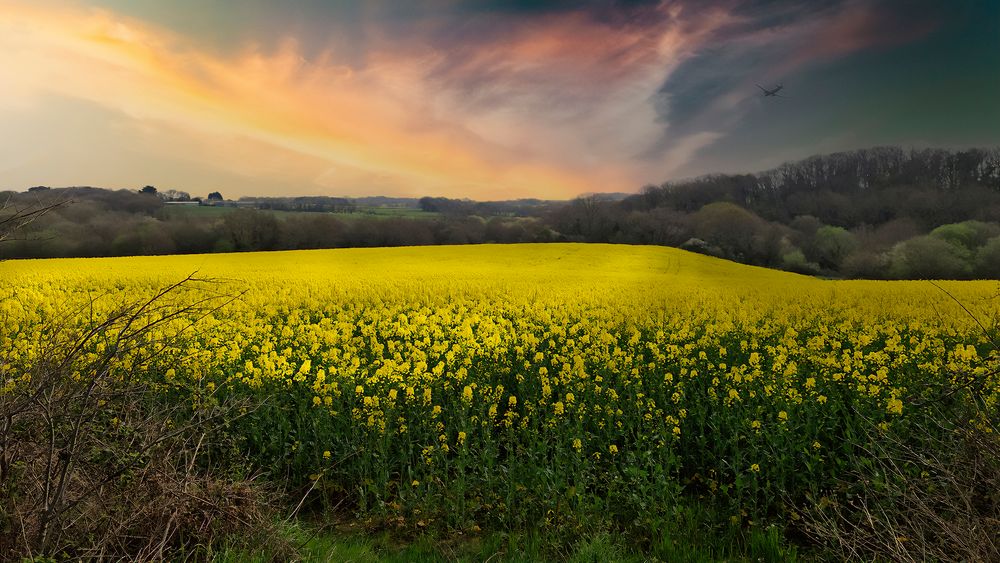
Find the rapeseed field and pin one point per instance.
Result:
(531, 385)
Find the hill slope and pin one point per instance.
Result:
(553, 388)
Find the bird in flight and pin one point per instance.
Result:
(772, 92)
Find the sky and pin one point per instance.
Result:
(480, 99)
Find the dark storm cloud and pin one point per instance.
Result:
(777, 41)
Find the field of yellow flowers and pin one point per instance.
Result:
(529, 385)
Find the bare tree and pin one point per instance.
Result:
(15, 217)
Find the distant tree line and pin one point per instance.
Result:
(125, 223)
(314, 203)
(881, 213)
(876, 213)
(248, 229)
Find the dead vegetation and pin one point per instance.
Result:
(927, 492)
(931, 499)
(100, 458)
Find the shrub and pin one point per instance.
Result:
(929, 257)
(104, 455)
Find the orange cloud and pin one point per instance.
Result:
(396, 125)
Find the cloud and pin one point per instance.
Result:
(400, 117)
(475, 99)
(769, 42)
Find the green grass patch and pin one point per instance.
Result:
(687, 535)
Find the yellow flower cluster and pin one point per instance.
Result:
(587, 349)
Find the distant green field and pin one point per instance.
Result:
(388, 212)
(360, 213)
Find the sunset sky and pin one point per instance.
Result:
(480, 99)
